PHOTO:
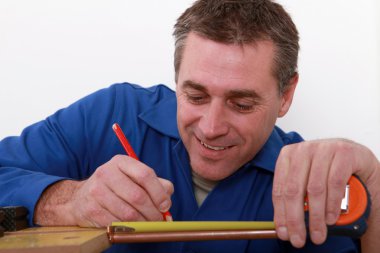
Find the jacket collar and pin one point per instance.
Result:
(163, 117)
(266, 158)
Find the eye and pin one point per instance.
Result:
(242, 105)
(244, 108)
(196, 98)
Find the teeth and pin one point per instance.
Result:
(212, 147)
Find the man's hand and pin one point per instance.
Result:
(321, 170)
(122, 189)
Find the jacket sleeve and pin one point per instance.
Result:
(54, 149)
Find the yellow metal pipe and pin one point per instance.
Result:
(174, 226)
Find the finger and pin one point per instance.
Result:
(92, 212)
(281, 172)
(295, 188)
(168, 186)
(338, 177)
(134, 200)
(317, 193)
(120, 209)
(147, 179)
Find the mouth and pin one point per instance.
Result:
(215, 148)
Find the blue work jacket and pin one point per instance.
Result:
(75, 141)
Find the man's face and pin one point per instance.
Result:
(228, 103)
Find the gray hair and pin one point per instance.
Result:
(242, 22)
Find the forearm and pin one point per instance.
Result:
(370, 241)
(53, 207)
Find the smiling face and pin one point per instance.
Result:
(228, 103)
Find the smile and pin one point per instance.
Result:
(213, 147)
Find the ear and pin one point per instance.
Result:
(287, 96)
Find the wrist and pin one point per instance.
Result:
(54, 206)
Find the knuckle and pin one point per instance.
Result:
(169, 188)
(333, 206)
(117, 159)
(302, 146)
(344, 148)
(95, 191)
(100, 173)
(315, 189)
(279, 217)
(146, 174)
(131, 214)
(336, 182)
(344, 145)
(279, 221)
(316, 219)
(287, 150)
(277, 192)
(292, 191)
(293, 223)
(137, 197)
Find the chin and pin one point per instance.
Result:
(214, 174)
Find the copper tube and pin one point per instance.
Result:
(182, 236)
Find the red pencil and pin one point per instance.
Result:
(129, 150)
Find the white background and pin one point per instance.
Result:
(55, 52)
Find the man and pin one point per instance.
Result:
(210, 151)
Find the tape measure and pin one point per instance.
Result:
(355, 209)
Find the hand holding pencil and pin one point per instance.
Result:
(129, 150)
(121, 189)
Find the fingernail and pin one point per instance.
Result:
(296, 241)
(331, 218)
(317, 237)
(165, 206)
(283, 233)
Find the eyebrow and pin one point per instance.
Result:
(238, 93)
(243, 93)
(188, 84)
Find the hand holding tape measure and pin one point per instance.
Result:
(355, 209)
(352, 222)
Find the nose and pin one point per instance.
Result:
(213, 122)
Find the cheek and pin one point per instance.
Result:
(267, 117)
(257, 128)
(181, 113)
(186, 115)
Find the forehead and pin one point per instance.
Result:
(228, 65)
